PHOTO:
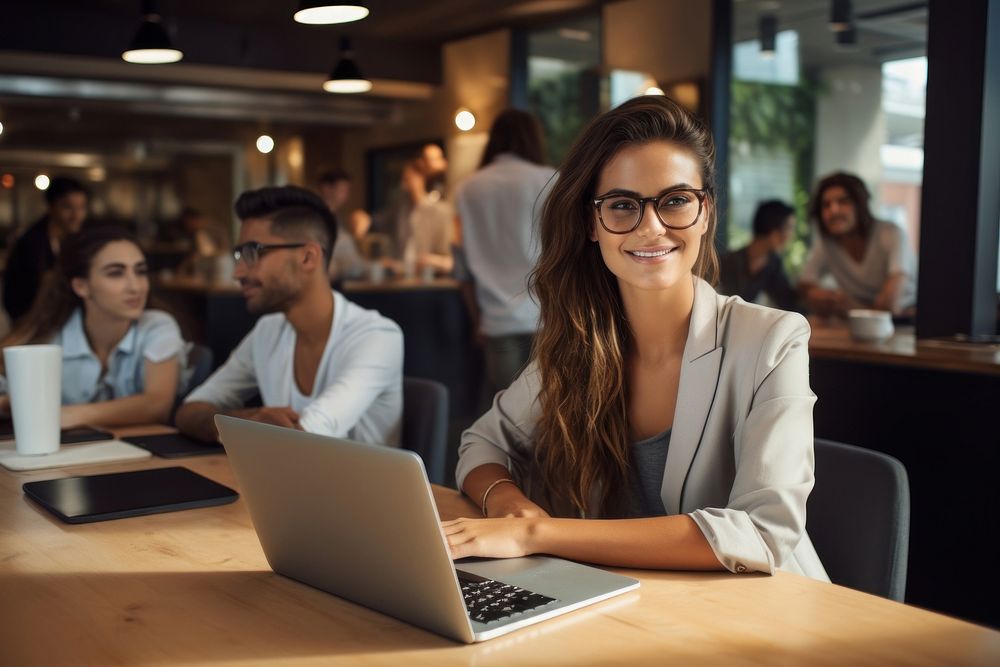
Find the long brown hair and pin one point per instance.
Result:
(518, 132)
(856, 191)
(581, 455)
(56, 299)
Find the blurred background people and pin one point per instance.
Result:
(870, 260)
(497, 206)
(122, 364)
(418, 224)
(35, 252)
(334, 188)
(757, 268)
(208, 246)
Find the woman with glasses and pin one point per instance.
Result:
(122, 364)
(659, 425)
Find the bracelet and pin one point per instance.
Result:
(489, 488)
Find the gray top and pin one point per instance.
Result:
(649, 460)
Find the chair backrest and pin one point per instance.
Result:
(200, 360)
(858, 518)
(425, 424)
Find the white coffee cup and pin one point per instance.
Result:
(34, 381)
(870, 324)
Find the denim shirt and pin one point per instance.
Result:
(154, 337)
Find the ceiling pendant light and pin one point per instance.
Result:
(768, 34)
(841, 15)
(325, 13)
(151, 44)
(847, 39)
(346, 77)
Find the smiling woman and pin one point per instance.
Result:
(681, 418)
(122, 364)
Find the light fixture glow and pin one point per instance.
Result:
(151, 44)
(465, 120)
(346, 77)
(326, 13)
(7, 181)
(1, 128)
(654, 90)
(265, 144)
(42, 182)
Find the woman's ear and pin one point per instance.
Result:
(706, 215)
(80, 287)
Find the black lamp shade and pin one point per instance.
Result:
(768, 34)
(841, 15)
(346, 76)
(151, 44)
(847, 38)
(150, 35)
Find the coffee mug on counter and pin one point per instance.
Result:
(34, 382)
(870, 324)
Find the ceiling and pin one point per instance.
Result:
(886, 29)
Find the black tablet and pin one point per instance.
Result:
(67, 436)
(175, 445)
(123, 494)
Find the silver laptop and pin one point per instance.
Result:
(359, 521)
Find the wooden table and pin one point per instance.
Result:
(193, 588)
(903, 349)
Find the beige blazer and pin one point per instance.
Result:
(740, 461)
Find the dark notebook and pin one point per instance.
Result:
(67, 437)
(175, 445)
(118, 495)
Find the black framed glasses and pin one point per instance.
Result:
(251, 251)
(676, 209)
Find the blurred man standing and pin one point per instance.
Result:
(36, 250)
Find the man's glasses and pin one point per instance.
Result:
(250, 252)
(676, 209)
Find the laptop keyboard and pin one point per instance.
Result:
(489, 600)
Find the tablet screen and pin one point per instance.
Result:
(118, 495)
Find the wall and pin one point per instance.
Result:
(669, 39)
(476, 77)
(850, 124)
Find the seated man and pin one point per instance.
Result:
(870, 260)
(757, 268)
(319, 362)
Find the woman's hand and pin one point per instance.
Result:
(490, 538)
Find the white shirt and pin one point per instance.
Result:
(888, 252)
(498, 206)
(154, 337)
(358, 391)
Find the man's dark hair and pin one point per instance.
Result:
(856, 191)
(60, 186)
(770, 216)
(333, 176)
(294, 213)
(518, 132)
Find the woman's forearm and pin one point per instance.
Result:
(662, 543)
(137, 409)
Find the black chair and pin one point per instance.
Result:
(201, 359)
(858, 517)
(425, 424)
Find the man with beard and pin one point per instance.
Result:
(870, 260)
(319, 362)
